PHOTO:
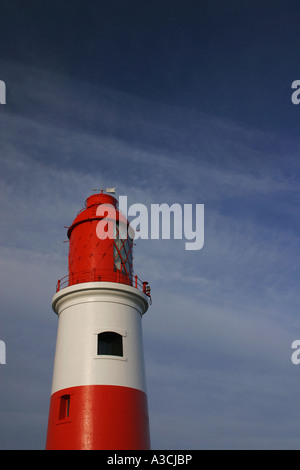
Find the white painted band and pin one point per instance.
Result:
(85, 310)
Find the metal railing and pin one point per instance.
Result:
(101, 275)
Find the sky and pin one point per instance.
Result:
(176, 101)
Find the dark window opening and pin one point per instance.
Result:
(110, 343)
(64, 407)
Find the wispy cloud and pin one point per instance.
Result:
(217, 335)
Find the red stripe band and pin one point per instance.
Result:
(104, 417)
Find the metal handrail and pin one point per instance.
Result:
(101, 275)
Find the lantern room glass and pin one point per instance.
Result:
(123, 252)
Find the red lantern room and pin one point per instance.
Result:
(100, 247)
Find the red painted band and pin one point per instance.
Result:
(104, 417)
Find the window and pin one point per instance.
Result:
(110, 343)
(123, 252)
(64, 407)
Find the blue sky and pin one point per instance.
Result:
(170, 101)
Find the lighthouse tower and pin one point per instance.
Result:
(98, 396)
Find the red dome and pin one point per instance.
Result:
(99, 259)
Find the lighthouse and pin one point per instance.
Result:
(98, 396)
